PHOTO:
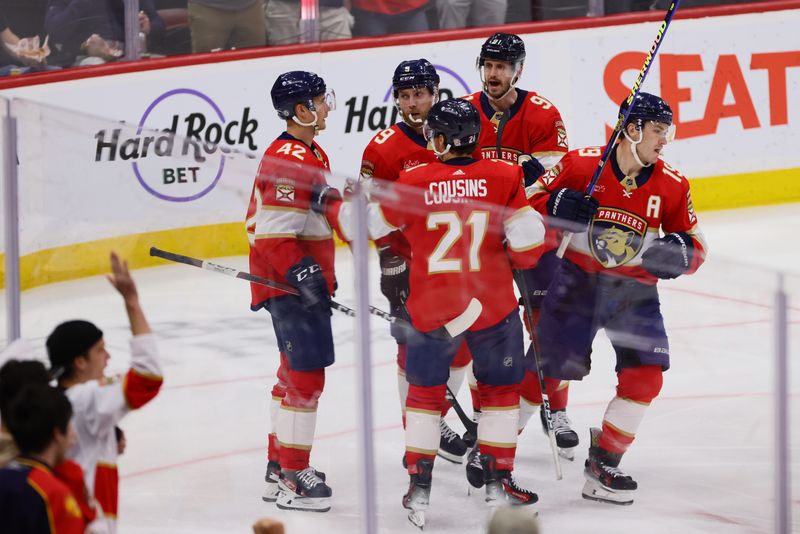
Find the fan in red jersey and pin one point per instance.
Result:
(293, 245)
(415, 86)
(526, 128)
(609, 273)
(468, 224)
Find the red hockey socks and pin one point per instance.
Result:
(636, 388)
(298, 417)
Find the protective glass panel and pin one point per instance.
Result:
(703, 453)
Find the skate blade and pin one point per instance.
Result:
(595, 491)
(452, 458)
(567, 454)
(271, 493)
(417, 518)
(303, 504)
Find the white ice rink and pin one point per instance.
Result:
(703, 456)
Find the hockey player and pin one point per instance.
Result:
(78, 358)
(526, 128)
(292, 245)
(415, 86)
(468, 224)
(609, 274)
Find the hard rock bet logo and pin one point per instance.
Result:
(362, 114)
(616, 237)
(179, 147)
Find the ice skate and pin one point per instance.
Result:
(605, 482)
(501, 489)
(566, 438)
(451, 447)
(304, 490)
(474, 468)
(272, 478)
(419, 493)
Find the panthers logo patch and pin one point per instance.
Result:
(616, 237)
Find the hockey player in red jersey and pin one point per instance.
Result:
(415, 86)
(468, 225)
(609, 273)
(526, 128)
(292, 245)
(514, 122)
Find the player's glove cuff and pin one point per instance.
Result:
(669, 256)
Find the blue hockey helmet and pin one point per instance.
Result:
(456, 119)
(503, 47)
(295, 87)
(647, 107)
(415, 73)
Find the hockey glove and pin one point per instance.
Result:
(394, 281)
(531, 168)
(306, 276)
(669, 256)
(321, 194)
(575, 207)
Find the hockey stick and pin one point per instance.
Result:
(453, 328)
(545, 397)
(624, 113)
(469, 425)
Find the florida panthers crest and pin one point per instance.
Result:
(616, 236)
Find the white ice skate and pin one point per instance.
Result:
(566, 437)
(605, 482)
(303, 490)
(418, 497)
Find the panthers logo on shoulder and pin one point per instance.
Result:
(616, 236)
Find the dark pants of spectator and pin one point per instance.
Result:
(219, 28)
(371, 23)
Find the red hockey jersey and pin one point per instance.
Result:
(280, 226)
(468, 224)
(534, 127)
(392, 150)
(389, 152)
(630, 216)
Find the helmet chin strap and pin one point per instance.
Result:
(447, 148)
(312, 123)
(633, 144)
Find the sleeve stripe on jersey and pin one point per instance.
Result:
(524, 230)
(47, 506)
(534, 189)
(281, 221)
(540, 155)
(378, 225)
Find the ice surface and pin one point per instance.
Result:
(703, 455)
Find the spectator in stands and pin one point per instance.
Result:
(32, 499)
(381, 17)
(221, 24)
(283, 21)
(78, 358)
(93, 31)
(14, 376)
(20, 55)
(25, 17)
(463, 13)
